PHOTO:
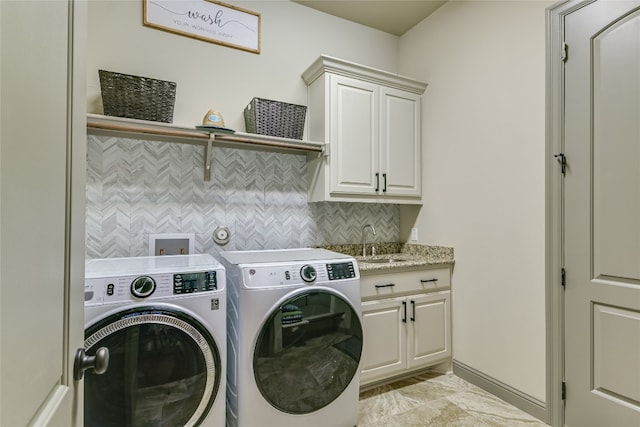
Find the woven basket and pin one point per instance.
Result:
(135, 97)
(275, 118)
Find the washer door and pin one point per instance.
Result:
(164, 370)
(308, 351)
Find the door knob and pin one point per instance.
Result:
(99, 363)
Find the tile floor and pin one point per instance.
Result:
(435, 400)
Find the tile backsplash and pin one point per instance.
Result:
(140, 187)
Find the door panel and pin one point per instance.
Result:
(602, 214)
(400, 141)
(616, 172)
(385, 338)
(20, 214)
(42, 154)
(616, 353)
(354, 135)
(429, 328)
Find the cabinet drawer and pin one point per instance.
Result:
(399, 283)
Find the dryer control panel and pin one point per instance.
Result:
(311, 273)
(105, 290)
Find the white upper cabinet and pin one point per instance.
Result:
(370, 121)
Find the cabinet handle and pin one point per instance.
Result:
(413, 311)
(388, 285)
(428, 280)
(384, 178)
(404, 307)
(377, 182)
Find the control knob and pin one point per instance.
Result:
(143, 286)
(308, 273)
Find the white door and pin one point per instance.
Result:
(602, 215)
(42, 164)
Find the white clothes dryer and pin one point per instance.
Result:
(294, 332)
(163, 321)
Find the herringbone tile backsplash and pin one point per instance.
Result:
(136, 188)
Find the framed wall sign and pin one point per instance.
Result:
(206, 20)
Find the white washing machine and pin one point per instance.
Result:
(163, 321)
(294, 338)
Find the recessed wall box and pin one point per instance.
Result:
(171, 244)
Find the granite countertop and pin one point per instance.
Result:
(398, 256)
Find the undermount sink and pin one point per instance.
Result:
(383, 261)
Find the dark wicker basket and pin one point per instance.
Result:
(275, 118)
(135, 97)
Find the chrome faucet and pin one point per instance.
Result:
(364, 238)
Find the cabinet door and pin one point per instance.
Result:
(429, 324)
(354, 136)
(385, 341)
(400, 143)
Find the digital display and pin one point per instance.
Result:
(194, 282)
(341, 271)
(186, 283)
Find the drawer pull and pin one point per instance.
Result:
(388, 285)
(428, 280)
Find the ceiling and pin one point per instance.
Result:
(391, 16)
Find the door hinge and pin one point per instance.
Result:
(563, 277)
(562, 159)
(563, 52)
(564, 390)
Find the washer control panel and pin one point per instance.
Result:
(104, 290)
(342, 270)
(311, 273)
(187, 283)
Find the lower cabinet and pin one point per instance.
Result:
(404, 333)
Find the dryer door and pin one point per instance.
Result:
(308, 351)
(164, 369)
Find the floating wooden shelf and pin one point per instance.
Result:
(108, 125)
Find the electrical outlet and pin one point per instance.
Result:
(414, 234)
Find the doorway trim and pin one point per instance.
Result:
(554, 242)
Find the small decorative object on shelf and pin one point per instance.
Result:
(135, 97)
(214, 123)
(275, 118)
(213, 118)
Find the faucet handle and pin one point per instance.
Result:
(373, 250)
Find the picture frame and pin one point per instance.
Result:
(207, 20)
